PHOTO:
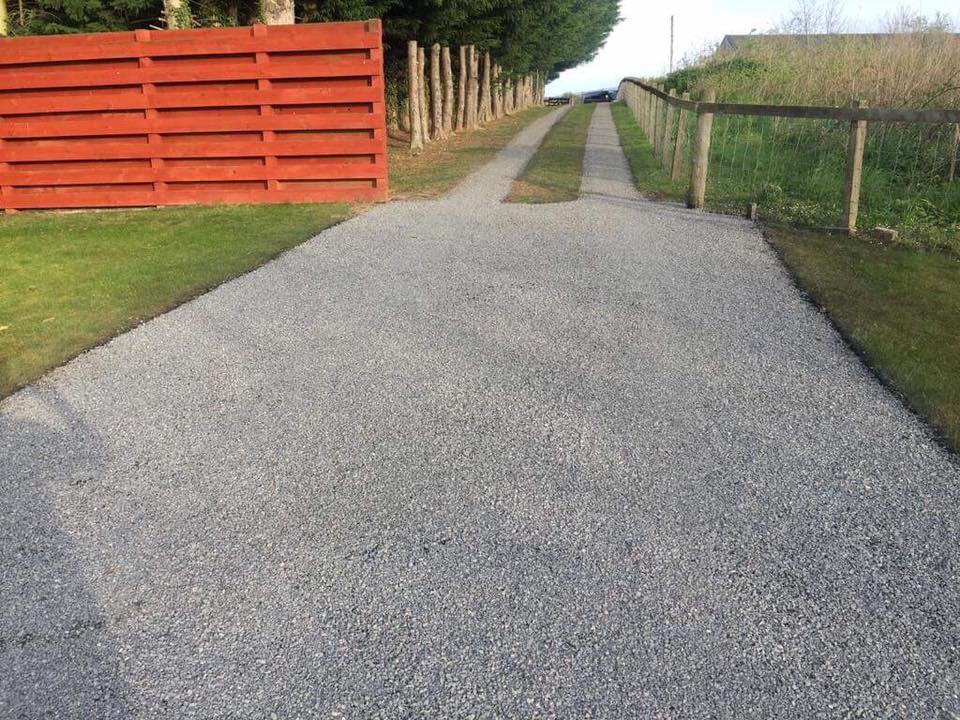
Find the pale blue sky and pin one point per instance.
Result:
(639, 45)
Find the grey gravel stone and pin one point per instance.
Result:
(466, 459)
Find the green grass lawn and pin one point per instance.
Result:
(653, 182)
(69, 281)
(898, 304)
(73, 280)
(553, 173)
(444, 163)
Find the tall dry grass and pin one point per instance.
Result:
(916, 70)
(795, 168)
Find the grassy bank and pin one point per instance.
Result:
(71, 281)
(794, 169)
(898, 305)
(444, 163)
(553, 173)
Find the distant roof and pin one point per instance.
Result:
(731, 42)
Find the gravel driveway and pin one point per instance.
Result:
(460, 459)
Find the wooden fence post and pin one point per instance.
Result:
(666, 144)
(461, 115)
(436, 94)
(701, 155)
(447, 72)
(656, 130)
(851, 189)
(424, 101)
(678, 146)
(953, 157)
(646, 113)
(413, 88)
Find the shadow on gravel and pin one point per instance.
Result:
(57, 656)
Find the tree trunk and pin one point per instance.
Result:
(176, 13)
(508, 97)
(436, 93)
(462, 90)
(422, 85)
(473, 88)
(4, 20)
(518, 95)
(447, 70)
(486, 106)
(275, 12)
(497, 94)
(413, 83)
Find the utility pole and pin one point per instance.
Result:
(671, 43)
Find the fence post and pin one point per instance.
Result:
(666, 145)
(647, 113)
(701, 154)
(953, 157)
(657, 122)
(851, 189)
(413, 91)
(678, 146)
(642, 94)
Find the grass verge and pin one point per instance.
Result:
(553, 173)
(444, 163)
(74, 280)
(898, 306)
(650, 180)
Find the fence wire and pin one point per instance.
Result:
(795, 170)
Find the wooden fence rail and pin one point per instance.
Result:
(655, 111)
(254, 114)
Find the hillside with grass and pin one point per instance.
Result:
(794, 168)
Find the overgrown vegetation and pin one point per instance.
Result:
(442, 164)
(553, 173)
(73, 280)
(794, 169)
(914, 70)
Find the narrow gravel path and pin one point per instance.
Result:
(469, 459)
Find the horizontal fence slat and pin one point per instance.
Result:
(223, 149)
(308, 68)
(185, 100)
(171, 126)
(813, 112)
(105, 175)
(149, 198)
(165, 43)
(216, 127)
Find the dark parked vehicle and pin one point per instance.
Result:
(602, 96)
(558, 101)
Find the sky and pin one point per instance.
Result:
(640, 44)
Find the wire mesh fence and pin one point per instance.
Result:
(797, 169)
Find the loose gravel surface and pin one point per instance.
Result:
(466, 459)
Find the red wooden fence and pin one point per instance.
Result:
(255, 114)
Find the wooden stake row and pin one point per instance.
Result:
(483, 93)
